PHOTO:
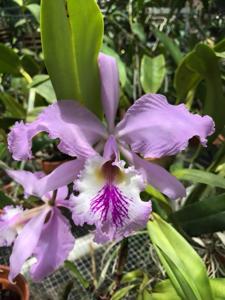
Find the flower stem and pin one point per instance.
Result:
(26, 76)
(122, 257)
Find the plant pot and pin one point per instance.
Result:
(12, 291)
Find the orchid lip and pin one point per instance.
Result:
(111, 199)
(112, 203)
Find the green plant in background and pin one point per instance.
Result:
(177, 53)
(73, 72)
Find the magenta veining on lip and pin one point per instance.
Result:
(111, 197)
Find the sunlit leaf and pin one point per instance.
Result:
(71, 38)
(220, 46)
(33, 114)
(184, 267)
(35, 10)
(40, 78)
(164, 290)
(19, 2)
(153, 71)
(147, 295)
(198, 176)
(156, 194)
(120, 294)
(132, 276)
(220, 54)
(46, 90)
(217, 285)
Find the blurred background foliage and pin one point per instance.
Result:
(176, 48)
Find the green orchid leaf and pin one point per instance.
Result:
(220, 54)
(3, 150)
(184, 267)
(9, 60)
(138, 30)
(198, 176)
(153, 71)
(19, 2)
(6, 122)
(206, 216)
(76, 273)
(156, 194)
(120, 294)
(71, 38)
(34, 113)
(170, 45)
(202, 64)
(185, 78)
(132, 276)
(164, 290)
(217, 285)
(13, 108)
(220, 46)
(205, 63)
(46, 90)
(5, 200)
(147, 295)
(38, 79)
(35, 10)
(30, 65)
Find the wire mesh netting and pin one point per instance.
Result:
(96, 263)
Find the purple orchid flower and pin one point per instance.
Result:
(109, 191)
(42, 232)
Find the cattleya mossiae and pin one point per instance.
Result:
(108, 189)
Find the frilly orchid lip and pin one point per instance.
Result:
(112, 202)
